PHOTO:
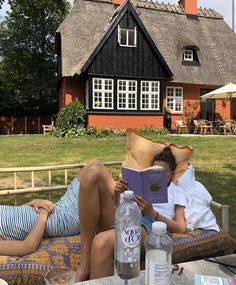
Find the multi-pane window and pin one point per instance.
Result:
(174, 98)
(127, 95)
(127, 37)
(188, 54)
(102, 93)
(150, 95)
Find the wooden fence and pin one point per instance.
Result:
(23, 125)
(53, 178)
(62, 184)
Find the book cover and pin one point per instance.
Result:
(150, 183)
(212, 280)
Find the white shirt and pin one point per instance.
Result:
(176, 196)
(198, 213)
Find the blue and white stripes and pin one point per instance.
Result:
(17, 221)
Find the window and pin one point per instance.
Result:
(174, 98)
(126, 95)
(150, 95)
(102, 93)
(127, 37)
(188, 54)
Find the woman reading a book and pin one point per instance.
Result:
(98, 197)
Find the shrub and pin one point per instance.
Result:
(71, 117)
(150, 130)
(103, 132)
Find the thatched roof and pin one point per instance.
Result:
(171, 31)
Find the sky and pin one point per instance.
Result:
(224, 7)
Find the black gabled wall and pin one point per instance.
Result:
(130, 62)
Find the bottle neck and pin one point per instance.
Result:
(159, 233)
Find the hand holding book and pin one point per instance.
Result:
(145, 207)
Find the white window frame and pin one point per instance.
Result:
(127, 93)
(188, 54)
(103, 92)
(150, 95)
(87, 94)
(175, 98)
(128, 32)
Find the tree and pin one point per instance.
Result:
(28, 84)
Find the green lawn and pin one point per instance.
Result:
(214, 158)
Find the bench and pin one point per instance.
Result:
(62, 251)
(47, 128)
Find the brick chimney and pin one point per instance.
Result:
(117, 2)
(189, 6)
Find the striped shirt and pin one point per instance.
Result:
(16, 222)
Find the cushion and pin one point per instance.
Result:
(65, 251)
(141, 151)
(200, 243)
(29, 269)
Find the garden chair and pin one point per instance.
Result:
(181, 127)
(226, 127)
(206, 127)
(47, 128)
(197, 127)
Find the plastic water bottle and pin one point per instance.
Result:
(127, 240)
(158, 257)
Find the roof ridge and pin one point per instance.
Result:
(173, 8)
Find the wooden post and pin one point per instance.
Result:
(15, 184)
(66, 176)
(12, 125)
(50, 183)
(25, 125)
(32, 179)
(225, 217)
(38, 125)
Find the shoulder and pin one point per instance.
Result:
(174, 187)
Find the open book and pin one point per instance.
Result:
(150, 183)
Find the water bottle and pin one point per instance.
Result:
(127, 240)
(158, 257)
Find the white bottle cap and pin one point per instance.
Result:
(128, 194)
(159, 227)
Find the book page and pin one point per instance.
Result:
(152, 167)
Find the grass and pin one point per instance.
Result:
(214, 158)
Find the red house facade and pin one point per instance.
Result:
(128, 62)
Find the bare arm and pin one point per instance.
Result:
(30, 243)
(178, 225)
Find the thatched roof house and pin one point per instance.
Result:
(180, 50)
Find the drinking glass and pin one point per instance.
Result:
(60, 276)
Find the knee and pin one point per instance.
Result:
(103, 245)
(92, 172)
(94, 163)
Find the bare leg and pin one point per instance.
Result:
(97, 210)
(102, 255)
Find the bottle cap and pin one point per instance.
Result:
(128, 194)
(159, 227)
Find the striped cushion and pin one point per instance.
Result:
(61, 251)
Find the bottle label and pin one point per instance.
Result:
(159, 273)
(130, 236)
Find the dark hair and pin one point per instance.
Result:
(167, 156)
